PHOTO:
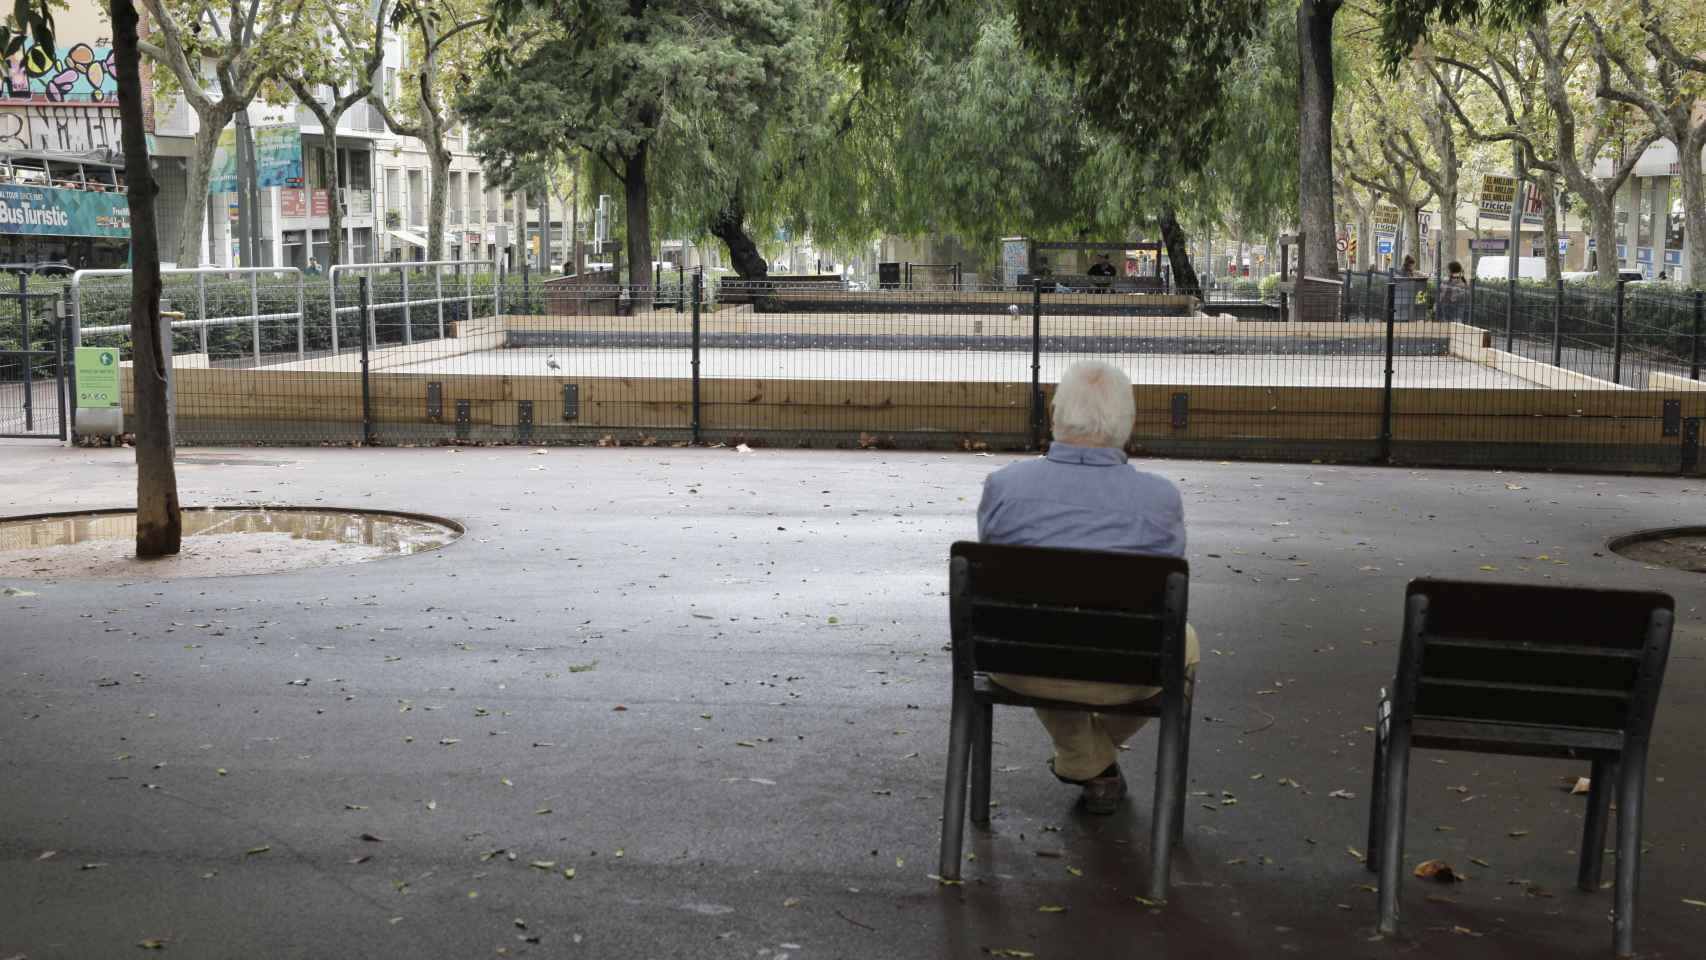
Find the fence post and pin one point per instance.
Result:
(332, 295)
(254, 311)
(301, 316)
(681, 283)
(1386, 393)
(1617, 336)
(498, 298)
(201, 303)
(1471, 307)
(698, 291)
(1036, 365)
(1368, 294)
(408, 319)
(29, 365)
(438, 293)
(366, 394)
(67, 369)
(1699, 329)
(1345, 297)
(60, 368)
(1510, 315)
(1558, 325)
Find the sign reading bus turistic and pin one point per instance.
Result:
(97, 377)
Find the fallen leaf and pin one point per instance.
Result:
(91, 866)
(542, 811)
(1342, 795)
(1357, 854)
(1147, 902)
(448, 741)
(542, 864)
(1694, 903)
(1075, 871)
(1438, 870)
(355, 806)
(1011, 952)
(1519, 833)
(48, 854)
(370, 838)
(1051, 908)
(791, 902)
(569, 873)
(152, 943)
(583, 667)
(361, 859)
(1479, 862)
(255, 850)
(1581, 786)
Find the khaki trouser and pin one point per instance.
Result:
(1086, 743)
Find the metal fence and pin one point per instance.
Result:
(1575, 377)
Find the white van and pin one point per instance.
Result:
(1499, 268)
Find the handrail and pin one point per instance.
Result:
(253, 317)
(404, 267)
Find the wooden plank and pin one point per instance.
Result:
(1541, 403)
(1551, 430)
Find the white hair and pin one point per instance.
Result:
(1093, 405)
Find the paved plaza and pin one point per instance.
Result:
(693, 703)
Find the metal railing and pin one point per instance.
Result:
(463, 269)
(201, 321)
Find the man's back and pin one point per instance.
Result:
(1087, 498)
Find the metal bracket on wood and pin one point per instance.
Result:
(1691, 445)
(464, 418)
(524, 419)
(435, 400)
(571, 401)
(1673, 418)
(1181, 411)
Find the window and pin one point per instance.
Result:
(1674, 229)
(453, 197)
(417, 205)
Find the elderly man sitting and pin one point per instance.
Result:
(1084, 495)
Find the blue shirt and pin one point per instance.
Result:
(1086, 498)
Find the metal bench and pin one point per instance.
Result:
(1070, 614)
(1536, 671)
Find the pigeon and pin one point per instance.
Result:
(551, 364)
(1013, 309)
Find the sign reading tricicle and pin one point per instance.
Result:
(97, 377)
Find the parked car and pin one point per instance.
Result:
(1498, 268)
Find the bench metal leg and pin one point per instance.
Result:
(1392, 827)
(1600, 788)
(954, 793)
(1631, 792)
(1184, 775)
(1168, 782)
(982, 736)
(1377, 792)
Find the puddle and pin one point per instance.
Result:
(218, 541)
(1683, 548)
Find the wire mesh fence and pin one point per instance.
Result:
(1398, 368)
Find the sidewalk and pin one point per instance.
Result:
(713, 685)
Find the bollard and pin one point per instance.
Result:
(1617, 335)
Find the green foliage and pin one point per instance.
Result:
(1405, 23)
(1152, 73)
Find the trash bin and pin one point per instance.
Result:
(1407, 304)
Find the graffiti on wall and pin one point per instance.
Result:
(80, 73)
(58, 128)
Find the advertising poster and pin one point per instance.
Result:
(51, 211)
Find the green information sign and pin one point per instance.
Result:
(97, 377)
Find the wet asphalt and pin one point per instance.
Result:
(713, 685)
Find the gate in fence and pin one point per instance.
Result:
(32, 365)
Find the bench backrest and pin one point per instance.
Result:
(1565, 657)
(1071, 614)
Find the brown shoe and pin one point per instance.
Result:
(1102, 795)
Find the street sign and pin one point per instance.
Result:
(97, 377)
(1490, 245)
(1383, 245)
(1343, 244)
(1497, 194)
(1385, 219)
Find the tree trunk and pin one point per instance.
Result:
(1694, 204)
(1604, 213)
(637, 195)
(1179, 254)
(159, 524)
(1549, 225)
(334, 193)
(1413, 227)
(1447, 222)
(439, 158)
(1315, 136)
(729, 226)
(195, 196)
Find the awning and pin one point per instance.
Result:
(409, 238)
